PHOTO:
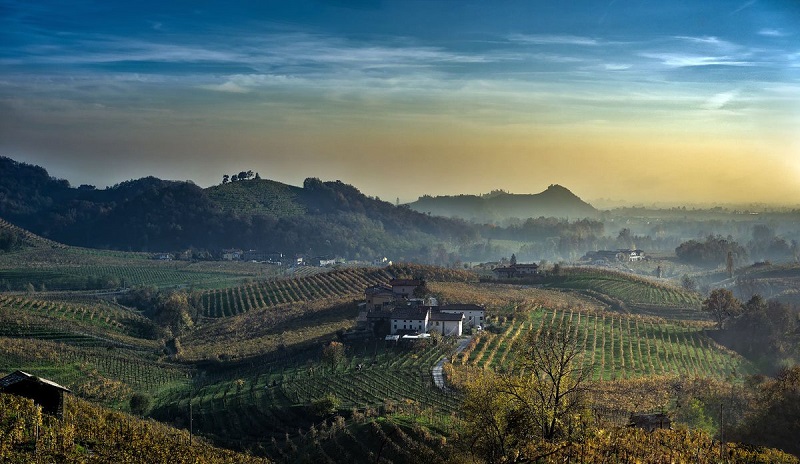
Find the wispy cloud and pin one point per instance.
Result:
(720, 100)
(772, 32)
(544, 39)
(681, 60)
(744, 5)
(228, 87)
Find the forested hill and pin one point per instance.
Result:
(556, 201)
(150, 214)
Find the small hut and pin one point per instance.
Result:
(49, 395)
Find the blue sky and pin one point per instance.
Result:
(413, 97)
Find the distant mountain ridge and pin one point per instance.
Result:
(556, 201)
(150, 214)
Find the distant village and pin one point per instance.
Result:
(274, 258)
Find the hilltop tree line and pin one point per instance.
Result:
(242, 175)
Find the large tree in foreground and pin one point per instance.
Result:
(513, 415)
(549, 380)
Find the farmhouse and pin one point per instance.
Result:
(49, 395)
(407, 320)
(516, 270)
(404, 288)
(231, 254)
(322, 261)
(473, 314)
(394, 306)
(447, 324)
(378, 296)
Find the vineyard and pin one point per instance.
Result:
(249, 366)
(91, 433)
(264, 294)
(77, 322)
(617, 346)
(631, 293)
(273, 399)
(96, 372)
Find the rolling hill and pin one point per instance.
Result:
(150, 214)
(556, 201)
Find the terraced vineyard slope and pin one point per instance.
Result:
(264, 294)
(630, 293)
(618, 346)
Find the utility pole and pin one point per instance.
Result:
(191, 419)
(722, 435)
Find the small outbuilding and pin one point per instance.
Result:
(45, 393)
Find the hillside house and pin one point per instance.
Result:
(322, 261)
(164, 256)
(404, 288)
(516, 270)
(409, 320)
(378, 296)
(232, 254)
(473, 314)
(45, 393)
(447, 324)
(634, 255)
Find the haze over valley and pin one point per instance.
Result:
(388, 232)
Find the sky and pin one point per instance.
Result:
(635, 101)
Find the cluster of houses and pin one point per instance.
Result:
(257, 256)
(399, 311)
(274, 257)
(610, 256)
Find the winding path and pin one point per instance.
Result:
(438, 378)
